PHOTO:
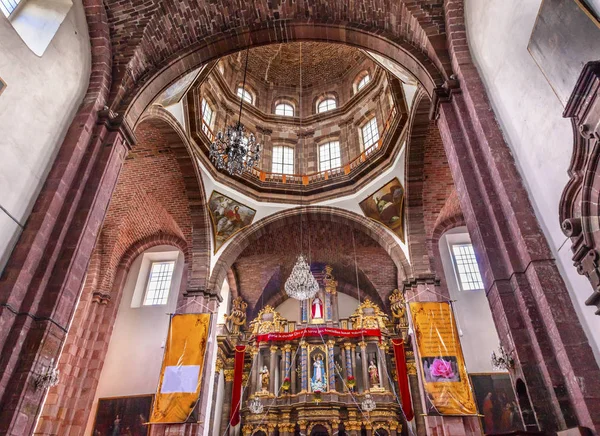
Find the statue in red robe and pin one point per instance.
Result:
(317, 308)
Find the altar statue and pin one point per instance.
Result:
(373, 374)
(317, 308)
(264, 378)
(319, 378)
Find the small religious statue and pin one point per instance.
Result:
(264, 378)
(373, 374)
(317, 308)
(319, 378)
(237, 318)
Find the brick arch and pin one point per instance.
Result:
(199, 247)
(449, 218)
(291, 216)
(94, 319)
(132, 97)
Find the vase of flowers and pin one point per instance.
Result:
(285, 386)
(351, 381)
(317, 396)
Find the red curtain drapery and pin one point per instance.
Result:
(236, 394)
(402, 374)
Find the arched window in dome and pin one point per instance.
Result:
(207, 117)
(369, 133)
(283, 160)
(327, 104)
(362, 79)
(244, 94)
(284, 109)
(329, 156)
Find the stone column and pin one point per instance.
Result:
(273, 369)
(227, 398)
(353, 367)
(287, 361)
(304, 367)
(254, 387)
(332, 372)
(43, 278)
(293, 371)
(365, 365)
(383, 371)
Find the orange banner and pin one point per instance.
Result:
(442, 365)
(181, 373)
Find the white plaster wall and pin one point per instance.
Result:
(136, 348)
(36, 110)
(478, 336)
(529, 114)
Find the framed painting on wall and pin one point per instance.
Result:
(386, 206)
(3, 85)
(175, 92)
(227, 217)
(497, 402)
(123, 416)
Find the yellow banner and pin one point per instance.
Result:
(447, 385)
(181, 373)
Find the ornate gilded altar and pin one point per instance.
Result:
(312, 375)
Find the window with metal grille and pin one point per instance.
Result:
(159, 283)
(466, 268)
(283, 160)
(363, 82)
(9, 6)
(370, 133)
(243, 93)
(207, 115)
(329, 156)
(326, 105)
(284, 109)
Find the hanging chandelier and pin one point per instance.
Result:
(368, 405)
(235, 151)
(255, 406)
(301, 284)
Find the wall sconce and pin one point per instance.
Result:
(47, 378)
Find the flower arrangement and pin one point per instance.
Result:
(351, 381)
(286, 384)
(317, 396)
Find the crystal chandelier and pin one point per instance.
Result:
(301, 284)
(255, 406)
(368, 405)
(235, 151)
(48, 377)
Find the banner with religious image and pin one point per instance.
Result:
(181, 373)
(442, 367)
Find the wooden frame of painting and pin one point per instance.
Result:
(225, 218)
(587, 10)
(386, 206)
(3, 85)
(496, 402)
(116, 415)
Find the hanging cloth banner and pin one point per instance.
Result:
(181, 373)
(316, 332)
(447, 386)
(402, 374)
(236, 395)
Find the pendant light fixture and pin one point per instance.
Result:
(235, 150)
(301, 284)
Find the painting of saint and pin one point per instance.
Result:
(497, 403)
(175, 92)
(123, 416)
(387, 207)
(228, 217)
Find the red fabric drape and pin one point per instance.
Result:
(316, 332)
(402, 374)
(236, 395)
